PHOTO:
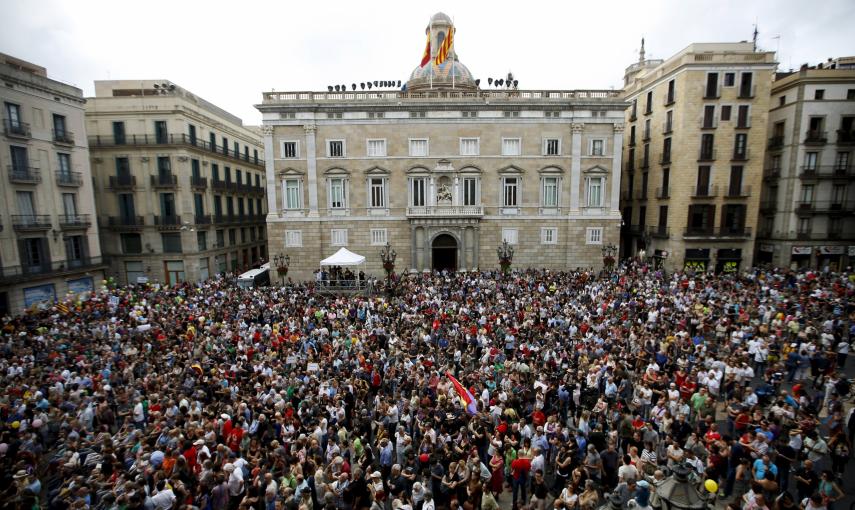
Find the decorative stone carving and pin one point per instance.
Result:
(618, 128)
(267, 130)
(144, 159)
(577, 128)
(183, 159)
(310, 128)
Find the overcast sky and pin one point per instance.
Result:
(229, 52)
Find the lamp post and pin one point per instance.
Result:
(506, 255)
(282, 262)
(387, 256)
(609, 251)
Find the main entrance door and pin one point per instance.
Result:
(444, 253)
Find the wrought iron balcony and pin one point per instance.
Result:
(14, 129)
(69, 178)
(74, 221)
(198, 182)
(659, 232)
(20, 273)
(433, 211)
(718, 233)
(168, 222)
(202, 219)
(771, 173)
(815, 137)
(738, 192)
(123, 182)
(705, 191)
(845, 137)
(31, 222)
(63, 137)
(126, 222)
(663, 193)
(173, 139)
(826, 172)
(19, 174)
(169, 181)
(776, 143)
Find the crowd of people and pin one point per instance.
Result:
(575, 388)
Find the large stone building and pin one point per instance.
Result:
(694, 155)
(180, 183)
(806, 215)
(48, 241)
(444, 171)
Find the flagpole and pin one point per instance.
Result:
(451, 50)
(430, 28)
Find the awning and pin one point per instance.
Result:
(343, 257)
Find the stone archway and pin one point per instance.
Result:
(444, 253)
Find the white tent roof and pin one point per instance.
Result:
(343, 257)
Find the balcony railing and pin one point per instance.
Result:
(636, 230)
(123, 181)
(712, 93)
(659, 232)
(218, 185)
(167, 222)
(665, 158)
(707, 155)
(663, 193)
(198, 182)
(19, 174)
(709, 122)
(704, 191)
(740, 155)
(718, 232)
(31, 222)
(74, 221)
(824, 207)
(126, 222)
(814, 137)
(16, 129)
(63, 137)
(202, 219)
(69, 178)
(445, 210)
(775, 143)
(747, 92)
(845, 137)
(826, 172)
(771, 173)
(768, 207)
(641, 194)
(164, 181)
(15, 273)
(738, 192)
(172, 139)
(824, 236)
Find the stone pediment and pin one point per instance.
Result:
(443, 165)
(289, 172)
(596, 169)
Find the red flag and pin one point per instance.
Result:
(466, 397)
(426, 56)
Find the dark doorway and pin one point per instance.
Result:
(444, 253)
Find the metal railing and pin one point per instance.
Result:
(775, 143)
(69, 178)
(742, 155)
(709, 191)
(24, 222)
(19, 174)
(16, 129)
(815, 137)
(218, 185)
(171, 139)
(445, 210)
(659, 231)
(665, 158)
(768, 206)
(167, 222)
(21, 272)
(164, 181)
(718, 232)
(845, 137)
(123, 181)
(707, 155)
(74, 220)
(395, 95)
(826, 172)
(63, 137)
(126, 221)
(738, 192)
(202, 219)
(824, 207)
(198, 182)
(771, 173)
(662, 193)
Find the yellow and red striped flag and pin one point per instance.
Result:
(62, 307)
(426, 56)
(445, 48)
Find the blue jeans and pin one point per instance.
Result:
(520, 484)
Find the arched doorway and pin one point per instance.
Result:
(444, 250)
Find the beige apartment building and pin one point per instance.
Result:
(444, 171)
(180, 183)
(806, 214)
(694, 155)
(49, 247)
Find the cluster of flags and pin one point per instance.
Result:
(442, 52)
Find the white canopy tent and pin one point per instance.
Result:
(343, 257)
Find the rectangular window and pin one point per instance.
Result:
(13, 114)
(236, 152)
(735, 187)
(669, 121)
(648, 108)
(160, 133)
(841, 161)
(810, 160)
(729, 79)
(725, 112)
(671, 92)
(212, 140)
(663, 218)
(470, 191)
(417, 192)
(174, 271)
(338, 237)
(819, 94)
(807, 193)
(119, 133)
(510, 235)
(191, 134)
(701, 218)
(745, 85)
(293, 238)
(225, 146)
(510, 191)
(20, 161)
(26, 204)
(64, 163)
(550, 192)
(742, 116)
(740, 146)
(595, 192)
(552, 147)
(511, 146)
(666, 150)
(338, 198)
(733, 219)
(666, 178)
(703, 182)
(232, 237)
(131, 243)
(376, 148)
(133, 271)
(202, 240)
(419, 147)
(377, 187)
(289, 149)
(707, 153)
(171, 243)
(35, 254)
(59, 129)
(378, 236)
(204, 269)
(709, 116)
(292, 194)
(164, 168)
(548, 235)
(711, 90)
(221, 239)
(594, 235)
(469, 147)
(126, 206)
(597, 147)
(69, 204)
(804, 226)
(335, 149)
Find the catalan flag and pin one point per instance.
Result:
(445, 48)
(466, 398)
(426, 56)
(62, 308)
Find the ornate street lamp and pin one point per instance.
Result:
(506, 256)
(609, 251)
(282, 262)
(387, 256)
(677, 492)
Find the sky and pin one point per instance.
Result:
(231, 52)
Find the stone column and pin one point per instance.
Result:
(455, 199)
(617, 149)
(312, 168)
(575, 165)
(269, 171)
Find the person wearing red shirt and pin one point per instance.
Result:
(234, 438)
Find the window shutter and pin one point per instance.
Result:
(45, 252)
